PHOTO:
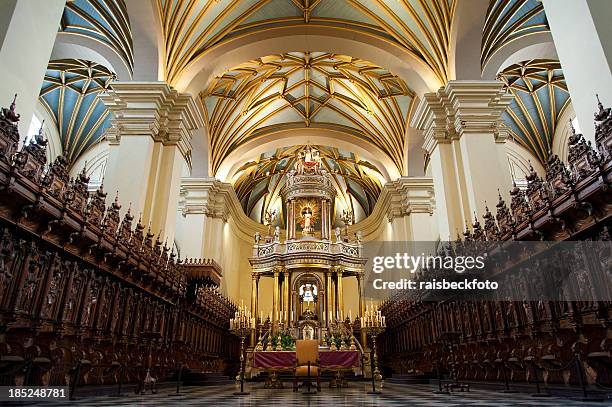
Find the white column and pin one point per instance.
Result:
(149, 146)
(463, 137)
(582, 34)
(27, 33)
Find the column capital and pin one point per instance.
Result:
(207, 196)
(460, 108)
(152, 109)
(408, 195)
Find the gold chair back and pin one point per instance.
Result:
(307, 350)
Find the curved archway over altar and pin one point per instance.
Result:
(332, 137)
(335, 40)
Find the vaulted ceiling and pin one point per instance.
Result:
(508, 21)
(304, 89)
(192, 27)
(540, 98)
(104, 21)
(258, 183)
(70, 94)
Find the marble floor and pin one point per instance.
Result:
(393, 395)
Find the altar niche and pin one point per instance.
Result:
(308, 266)
(308, 305)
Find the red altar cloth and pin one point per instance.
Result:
(286, 359)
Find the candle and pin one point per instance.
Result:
(350, 315)
(292, 315)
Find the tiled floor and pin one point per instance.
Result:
(393, 395)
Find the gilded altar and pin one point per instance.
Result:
(306, 263)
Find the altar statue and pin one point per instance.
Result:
(307, 221)
(308, 161)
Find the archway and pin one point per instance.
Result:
(329, 136)
(326, 39)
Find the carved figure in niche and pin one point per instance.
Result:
(308, 213)
(307, 221)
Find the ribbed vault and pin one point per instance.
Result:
(508, 21)
(192, 27)
(258, 183)
(540, 98)
(104, 21)
(304, 89)
(70, 94)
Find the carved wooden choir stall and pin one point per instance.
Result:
(555, 342)
(87, 297)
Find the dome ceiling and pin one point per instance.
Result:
(540, 98)
(104, 21)
(258, 183)
(509, 20)
(307, 90)
(70, 94)
(192, 27)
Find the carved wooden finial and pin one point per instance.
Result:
(11, 114)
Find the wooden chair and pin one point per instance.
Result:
(306, 362)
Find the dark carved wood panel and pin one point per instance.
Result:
(84, 292)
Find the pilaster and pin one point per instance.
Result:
(585, 53)
(27, 34)
(464, 138)
(149, 145)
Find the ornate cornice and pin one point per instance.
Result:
(462, 107)
(153, 109)
(215, 199)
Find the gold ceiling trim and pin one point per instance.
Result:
(107, 23)
(191, 28)
(534, 114)
(307, 88)
(508, 21)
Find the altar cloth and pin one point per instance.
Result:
(286, 359)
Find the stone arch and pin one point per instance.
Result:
(535, 46)
(72, 46)
(273, 139)
(466, 39)
(337, 40)
(148, 41)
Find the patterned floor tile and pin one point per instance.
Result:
(355, 396)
